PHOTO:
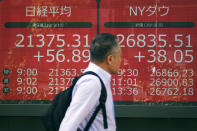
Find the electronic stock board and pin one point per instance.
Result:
(44, 44)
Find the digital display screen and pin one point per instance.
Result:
(44, 44)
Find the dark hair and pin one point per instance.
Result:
(101, 46)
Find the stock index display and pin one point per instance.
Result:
(44, 44)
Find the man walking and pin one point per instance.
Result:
(105, 57)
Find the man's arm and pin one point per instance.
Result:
(84, 100)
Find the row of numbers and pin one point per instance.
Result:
(171, 91)
(39, 40)
(177, 56)
(52, 55)
(128, 72)
(172, 73)
(27, 81)
(126, 91)
(60, 81)
(124, 82)
(152, 40)
(171, 82)
(27, 72)
(56, 89)
(132, 40)
(64, 72)
(27, 90)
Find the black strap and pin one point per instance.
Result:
(104, 116)
(101, 105)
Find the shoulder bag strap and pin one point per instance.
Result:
(101, 105)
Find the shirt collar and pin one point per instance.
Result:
(100, 71)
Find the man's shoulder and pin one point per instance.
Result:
(89, 78)
(89, 81)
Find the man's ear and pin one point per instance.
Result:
(110, 59)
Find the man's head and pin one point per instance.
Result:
(105, 51)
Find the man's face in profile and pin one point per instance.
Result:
(116, 60)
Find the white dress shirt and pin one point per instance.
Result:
(85, 99)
